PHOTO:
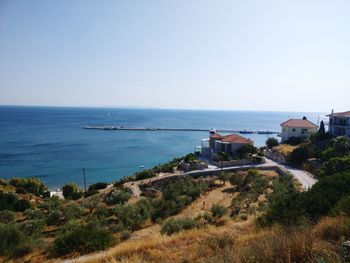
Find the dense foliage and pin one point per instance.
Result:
(82, 238)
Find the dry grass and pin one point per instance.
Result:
(234, 242)
(284, 149)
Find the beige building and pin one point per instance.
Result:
(298, 128)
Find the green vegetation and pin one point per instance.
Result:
(271, 142)
(29, 185)
(83, 238)
(70, 191)
(13, 242)
(118, 196)
(172, 226)
(218, 211)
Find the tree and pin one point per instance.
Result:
(299, 155)
(246, 150)
(322, 129)
(271, 142)
(69, 190)
(335, 165)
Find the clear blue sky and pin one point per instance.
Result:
(244, 55)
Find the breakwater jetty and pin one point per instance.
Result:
(121, 128)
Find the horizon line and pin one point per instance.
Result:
(150, 108)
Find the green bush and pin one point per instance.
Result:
(72, 211)
(335, 165)
(51, 204)
(148, 173)
(8, 201)
(190, 157)
(83, 239)
(34, 214)
(300, 155)
(30, 185)
(134, 215)
(90, 192)
(98, 186)
(271, 142)
(172, 226)
(53, 218)
(118, 196)
(22, 205)
(6, 216)
(246, 150)
(13, 243)
(342, 207)
(218, 210)
(70, 191)
(32, 228)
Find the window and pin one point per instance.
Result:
(293, 130)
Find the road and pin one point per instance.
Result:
(305, 178)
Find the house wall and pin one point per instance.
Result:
(288, 132)
(339, 126)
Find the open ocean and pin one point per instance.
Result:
(50, 142)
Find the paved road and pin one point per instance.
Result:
(306, 179)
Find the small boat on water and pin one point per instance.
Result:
(142, 166)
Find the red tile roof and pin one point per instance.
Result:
(216, 136)
(231, 138)
(345, 114)
(299, 123)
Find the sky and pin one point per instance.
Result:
(189, 54)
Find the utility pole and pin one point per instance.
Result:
(84, 178)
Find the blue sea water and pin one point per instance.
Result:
(50, 142)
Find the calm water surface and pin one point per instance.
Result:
(50, 142)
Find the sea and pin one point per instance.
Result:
(51, 143)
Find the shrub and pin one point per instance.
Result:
(271, 142)
(246, 150)
(118, 196)
(22, 205)
(342, 207)
(8, 201)
(335, 165)
(90, 192)
(218, 210)
(172, 226)
(69, 190)
(238, 179)
(190, 157)
(132, 216)
(6, 216)
(97, 186)
(34, 214)
(51, 204)
(31, 185)
(144, 174)
(299, 155)
(72, 211)
(13, 243)
(53, 218)
(82, 238)
(32, 228)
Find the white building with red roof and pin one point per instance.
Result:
(339, 123)
(297, 128)
(229, 144)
